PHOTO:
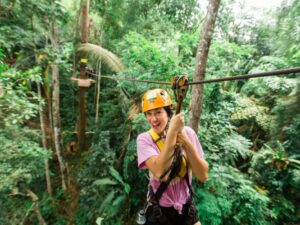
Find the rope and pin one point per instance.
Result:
(238, 77)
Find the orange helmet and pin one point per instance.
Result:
(156, 98)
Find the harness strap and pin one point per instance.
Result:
(190, 187)
(176, 164)
(163, 185)
(154, 200)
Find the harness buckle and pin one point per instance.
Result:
(192, 210)
(157, 211)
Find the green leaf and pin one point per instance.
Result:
(104, 181)
(107, 202)
(119, 200)
(98, 53)
(127, 188)
(116, 174)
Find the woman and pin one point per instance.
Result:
(170, 196)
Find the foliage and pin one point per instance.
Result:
(275, 171)
(230, 198)
(186, 13)
(214, 122)
(87, 200)
(22, 27)
(21, 157)
(187, 47)
(287, 35)
(235, 147)
(249, 128)
(248, 109)
(286, 120)
(228, 59)
(21, 162)
(145, 60)
(147, 54)
(101, 54)
(15, 105)
(217, 136)
(138, 194)
(106, 204)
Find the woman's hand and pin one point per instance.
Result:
(183, 139)
(177, 123)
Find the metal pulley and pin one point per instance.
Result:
(180, 86)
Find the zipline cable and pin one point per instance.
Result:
(238, 77)
(253, 75)
(129, 79)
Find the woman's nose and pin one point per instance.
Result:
(153, 117)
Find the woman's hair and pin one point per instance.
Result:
(169, 111)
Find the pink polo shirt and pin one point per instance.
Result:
(177, 192)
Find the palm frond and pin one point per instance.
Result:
(97, 53)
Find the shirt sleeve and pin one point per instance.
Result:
(145, 149)
(195, 141)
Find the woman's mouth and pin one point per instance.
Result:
(155, 126)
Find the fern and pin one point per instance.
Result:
(106, 202)
(230, 197)
(249, 108)
(282, 86)
(277, 173)
(209, 211)
(234, 147)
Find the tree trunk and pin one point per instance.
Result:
(56, 126)
(56, 108)
(85, 22)
(201, 60)
(44, 142)
(83, 62)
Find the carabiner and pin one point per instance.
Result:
(180, 86)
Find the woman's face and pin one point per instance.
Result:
(157, 119)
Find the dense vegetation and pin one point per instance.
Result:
(249, 129)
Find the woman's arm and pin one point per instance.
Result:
(198, 164)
